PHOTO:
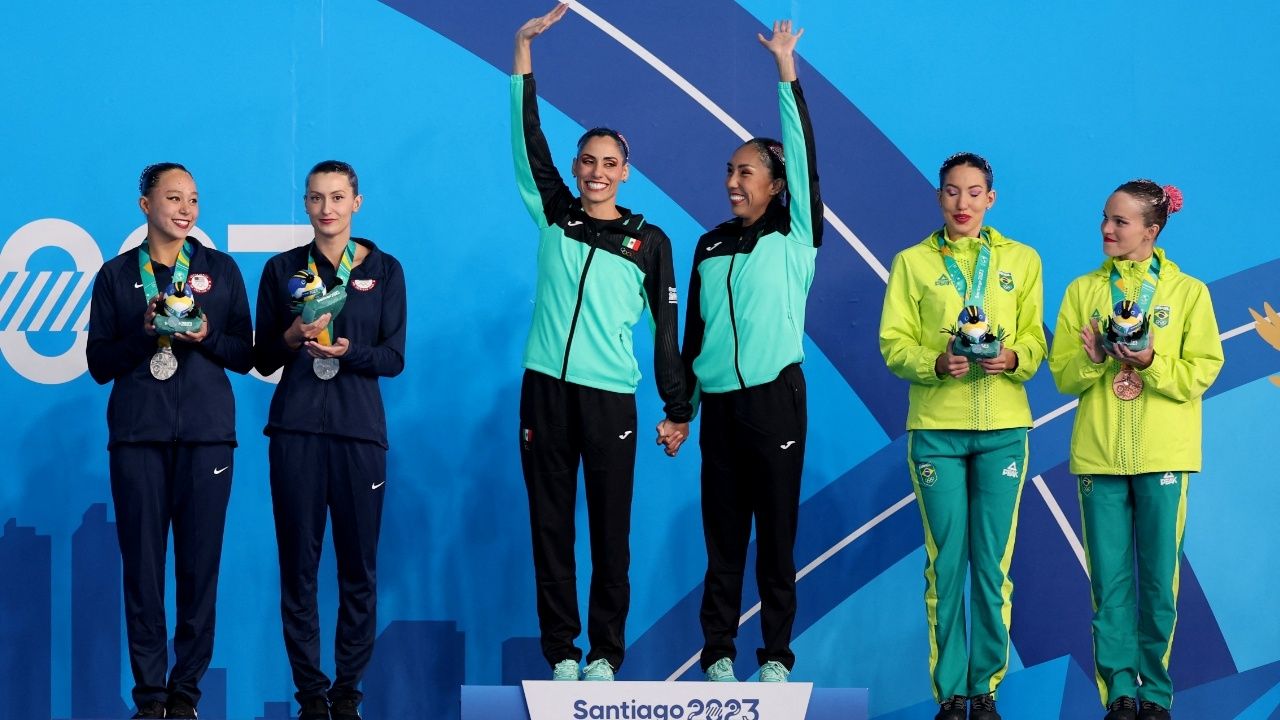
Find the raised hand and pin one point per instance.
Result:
(782, 44)
(531, 29)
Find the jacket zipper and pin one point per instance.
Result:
(733, 320)
(577, 308)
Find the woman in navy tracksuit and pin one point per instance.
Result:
(328, 433)
(172, 428)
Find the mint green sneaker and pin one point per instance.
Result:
(566, 669)
(721, 671)
(598, 670)
(774, 671)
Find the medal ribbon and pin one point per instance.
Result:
(1148, 291)
(344, 274)
(149, 287)
(974, 295)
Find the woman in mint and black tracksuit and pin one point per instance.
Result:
(172, 430)
(743, 347)
(600, 267)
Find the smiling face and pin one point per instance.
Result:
(330, 202)
(599, 168)
(749, 184)
(1125, 234)
(965, 199)
(171, 206)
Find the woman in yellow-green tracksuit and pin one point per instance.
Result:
(1136, 437)
(967, 422)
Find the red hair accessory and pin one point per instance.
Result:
(1174, 197)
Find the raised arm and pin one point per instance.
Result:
(797, 137)
(541, 188)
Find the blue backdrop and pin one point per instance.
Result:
(1067, 100)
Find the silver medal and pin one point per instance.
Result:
(164, 364)
(325, 368)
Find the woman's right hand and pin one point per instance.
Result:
(523, 64)
(149, 317)
(948, 363)
(300, 332)
(1089, 335)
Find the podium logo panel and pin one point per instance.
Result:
(550, 700)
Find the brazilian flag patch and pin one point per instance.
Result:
(1006, 281)
(1161, 315)
(928, 474)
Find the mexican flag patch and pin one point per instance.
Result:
(632, 244)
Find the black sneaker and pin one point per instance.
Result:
(153, 709)
(1124, 708)
(179, 707)
(344, 708)
(1152, 711)
(983, 707)
(951, 709)
(314, 709)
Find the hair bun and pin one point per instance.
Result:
(1174, 197)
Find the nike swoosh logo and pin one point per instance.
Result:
(573, 223)
(787, 444)
(713, 247)
(137, 285)
(219, 471)
(378, 485)
(624, 435)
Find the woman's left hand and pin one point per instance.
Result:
(1138, 360)
(336, 350)
(1004, 362)
(197, 336)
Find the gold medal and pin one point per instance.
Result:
(1127, 384)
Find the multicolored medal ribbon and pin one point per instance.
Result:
(176, 313)
(972, 336)
(1129, 326)
(312, 300)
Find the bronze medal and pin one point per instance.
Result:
(1127, 384)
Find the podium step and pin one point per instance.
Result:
(547, 700)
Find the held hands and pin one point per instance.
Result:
(957, 366)
(672, 435)
(782, 44)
